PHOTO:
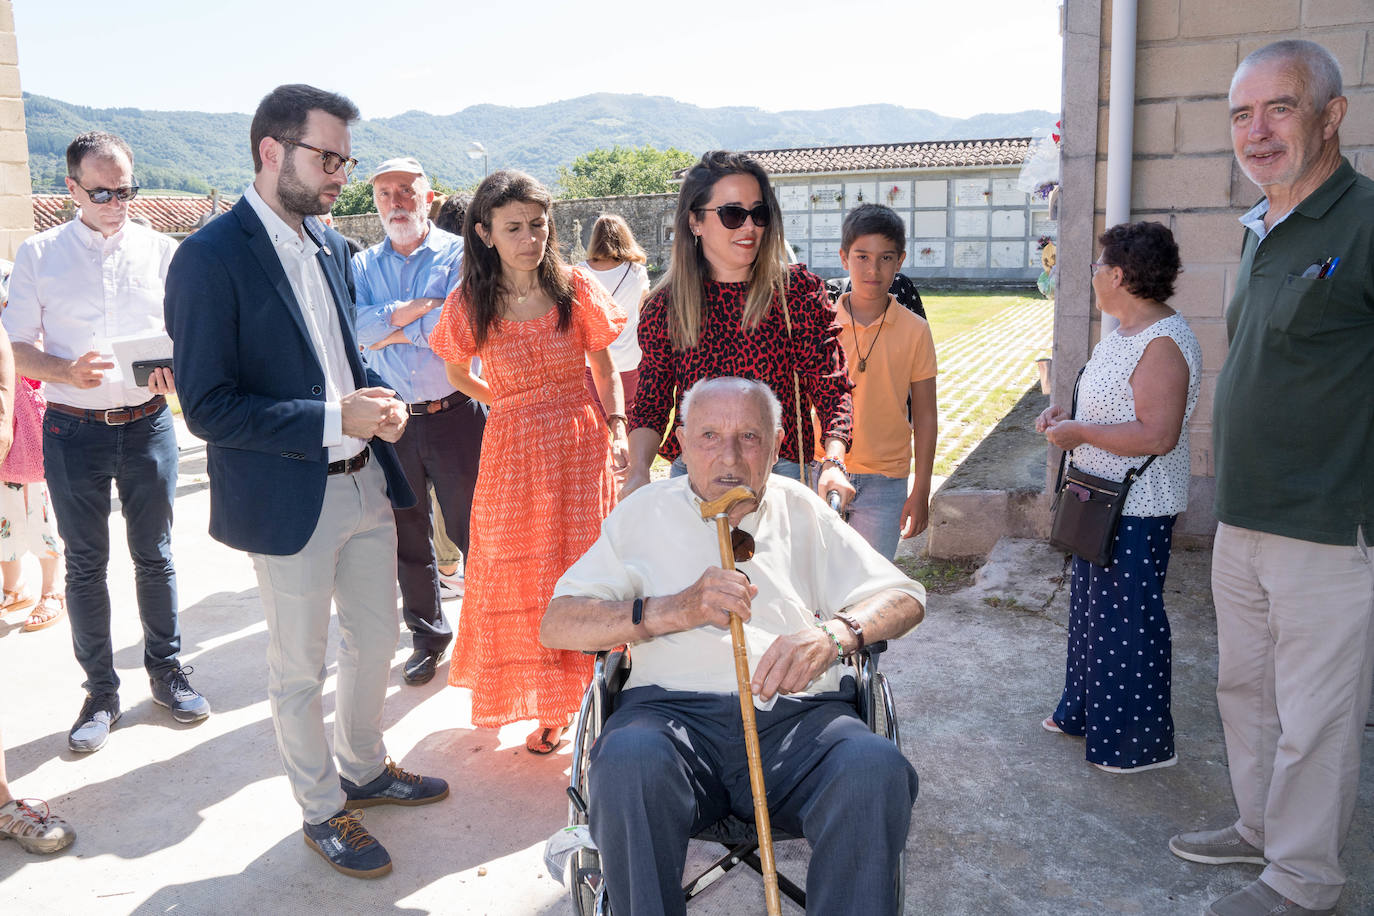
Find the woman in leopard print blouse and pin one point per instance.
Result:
(731, 306)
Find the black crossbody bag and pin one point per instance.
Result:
(1087, 508)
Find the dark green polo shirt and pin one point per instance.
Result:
(1293, 419)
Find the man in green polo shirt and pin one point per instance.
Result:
(1293, 429)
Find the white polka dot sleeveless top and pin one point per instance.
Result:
(1105, 396)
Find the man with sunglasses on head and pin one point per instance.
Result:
(402, 284)
(74, 287)
(670, 760)
(303, 476)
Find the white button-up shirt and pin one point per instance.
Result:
(807, 565)
(296, 251)
(72, 290)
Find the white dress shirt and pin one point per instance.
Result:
(807, 565)
(72, 290)
(296, 251)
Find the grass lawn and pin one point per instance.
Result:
(954, 313)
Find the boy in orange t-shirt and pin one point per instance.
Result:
(891, 356)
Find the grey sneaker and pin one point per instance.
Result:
(1215, 847)
(98, 715)
(1259, 899)
(176, 693)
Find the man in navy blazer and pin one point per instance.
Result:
(303, 476)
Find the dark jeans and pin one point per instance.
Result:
(80, 459)
(442, 449)
(670, 763)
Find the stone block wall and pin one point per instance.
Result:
(1184, 173)
(16, 210)
(650, 217)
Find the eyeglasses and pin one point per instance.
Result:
(329, 160)
(743, 544)
(732, 216)
(1095, 266)
(105, 195)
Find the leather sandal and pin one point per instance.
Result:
(15, 599)
(546, 740)
(47, 613)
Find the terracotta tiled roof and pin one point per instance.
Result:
(167, 214)
(938, 154)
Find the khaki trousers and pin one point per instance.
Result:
(1295, 638)
(349, 561)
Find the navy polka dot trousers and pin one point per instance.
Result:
(1117, 677)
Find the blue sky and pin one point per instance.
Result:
(440, 56)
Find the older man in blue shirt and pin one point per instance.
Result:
(401, 286)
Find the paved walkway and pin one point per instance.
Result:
(993, 361)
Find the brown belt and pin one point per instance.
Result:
(114, 416)
(350, 465)
(423, 408)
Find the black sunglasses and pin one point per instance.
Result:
(329, 160)
(105, 195)
(743, 544)
(732, 216)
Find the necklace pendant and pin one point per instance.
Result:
(521, 299)
(863, 365)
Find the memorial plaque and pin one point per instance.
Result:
(1041, 224)
(1005, 192)
(860, 192)
(906, 221)
(897, 194)
(826, 196)
(1007, 223)
(825, 254)
(929, 224)
(971, 192)
(826, 225)
(1008, 254)
(794, 196)
(971, 255)
(970, 222)
(802, 250)
(928, 254)
(932, 193)
(796, 226)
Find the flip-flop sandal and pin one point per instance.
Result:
(15, 600)
(47, 613)
(544, 746)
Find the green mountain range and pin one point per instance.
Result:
(195, 151)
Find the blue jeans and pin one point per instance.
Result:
(80, 459)
(876, 510)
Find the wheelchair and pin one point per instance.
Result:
(874, 704)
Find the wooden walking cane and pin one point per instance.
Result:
(719, 509)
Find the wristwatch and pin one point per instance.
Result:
(858, 631)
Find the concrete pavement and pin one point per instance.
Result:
(199, 820)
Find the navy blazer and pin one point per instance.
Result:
(251, 385)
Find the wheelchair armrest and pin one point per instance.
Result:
(609, 673)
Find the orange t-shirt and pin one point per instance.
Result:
(897, 350)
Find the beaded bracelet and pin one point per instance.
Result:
(839, 649)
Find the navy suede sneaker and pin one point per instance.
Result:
(395, 787)
(176, 693)
(348, 847)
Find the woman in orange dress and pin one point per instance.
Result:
(546, 478)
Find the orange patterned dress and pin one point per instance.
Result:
(543, 487)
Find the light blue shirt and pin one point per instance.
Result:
(385, 281)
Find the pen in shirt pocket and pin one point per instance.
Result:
(1325, 269)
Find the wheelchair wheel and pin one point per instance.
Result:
(584, 878)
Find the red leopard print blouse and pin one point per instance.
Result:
(764, 354)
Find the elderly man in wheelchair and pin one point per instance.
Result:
(670, 759)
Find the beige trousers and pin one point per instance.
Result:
(350, 561)
(1295, 638)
